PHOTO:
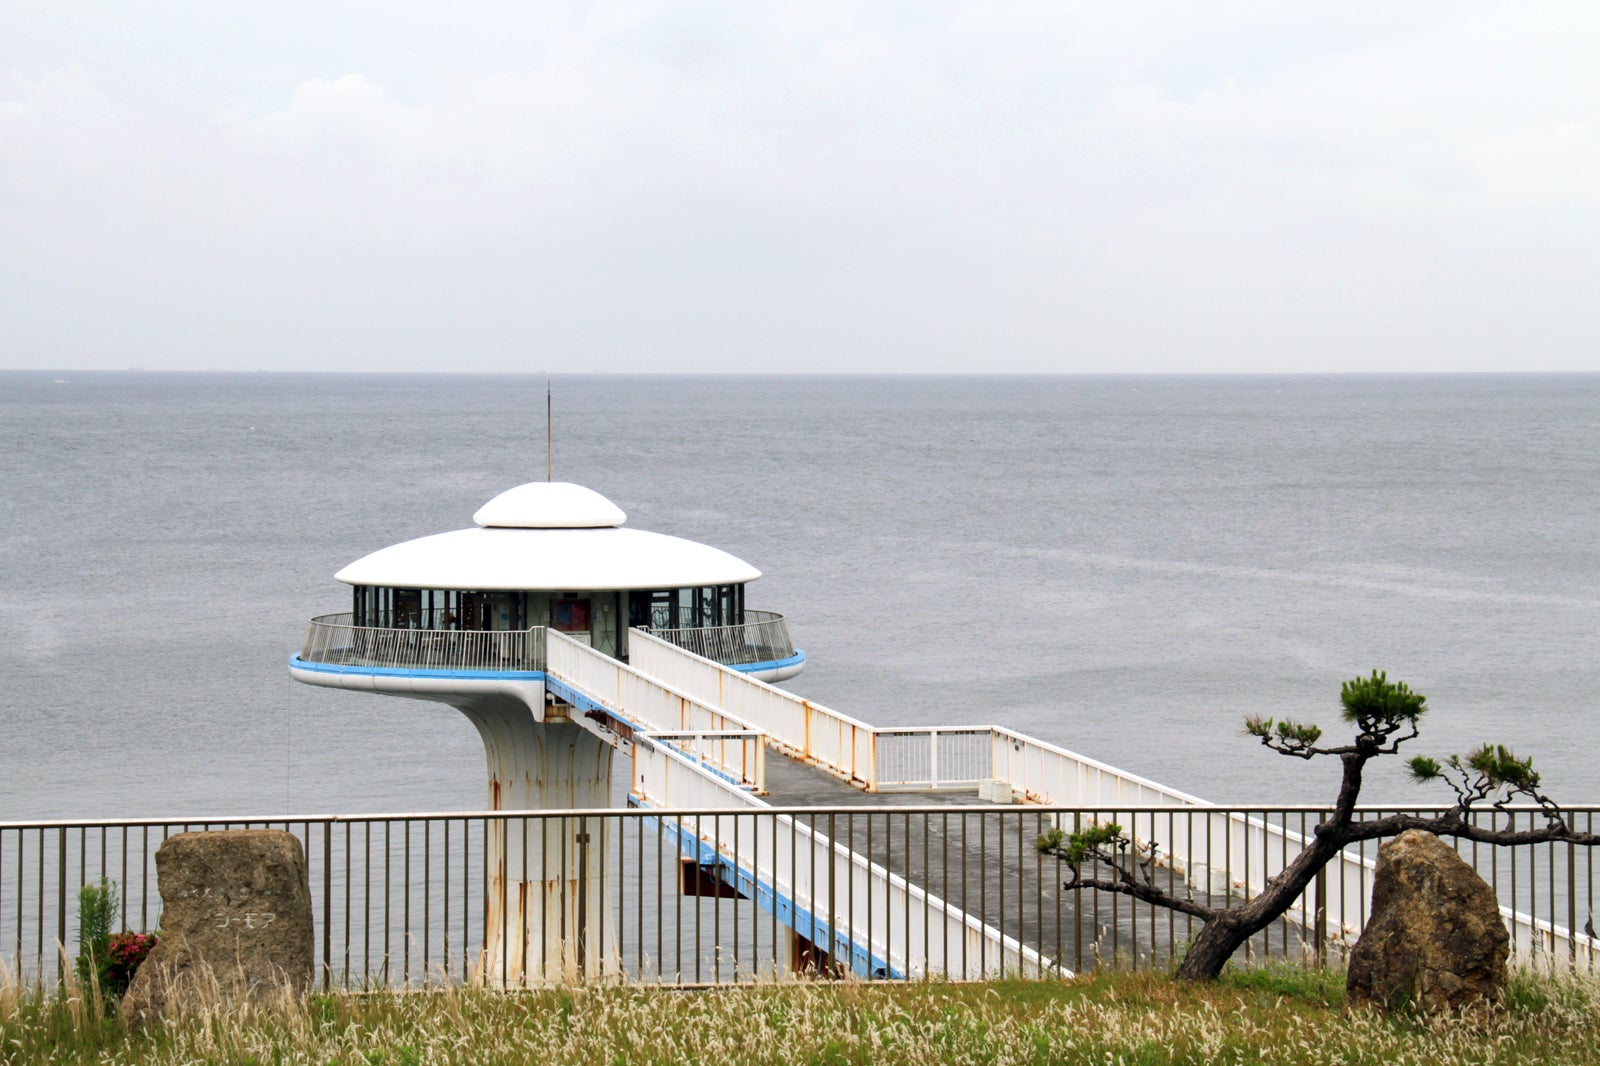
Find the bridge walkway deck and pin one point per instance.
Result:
(980, 856)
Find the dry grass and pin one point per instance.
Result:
(1284, 1016)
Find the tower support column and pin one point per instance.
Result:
(550, 914)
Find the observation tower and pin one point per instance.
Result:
(460, 618)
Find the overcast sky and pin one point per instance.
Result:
(831, 187)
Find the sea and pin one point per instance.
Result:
(1126, 566)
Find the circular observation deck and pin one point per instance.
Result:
(474, 604)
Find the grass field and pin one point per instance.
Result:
(1263, 1016)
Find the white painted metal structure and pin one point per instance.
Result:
(1199, 846)
(550, 505)
(782, 868)
(548, 536)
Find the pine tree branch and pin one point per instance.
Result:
(1139, 890)
(1455, 824)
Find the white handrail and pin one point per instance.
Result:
(795, 862)
(813, 733)
(664, 776)
(331, 639)
(1199, 845)
(651, 707)
(763, 637)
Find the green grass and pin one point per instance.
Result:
(1279, 1016)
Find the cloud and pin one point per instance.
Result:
(1555, 166)
(57, 121)
(349, 112)
(937, 186)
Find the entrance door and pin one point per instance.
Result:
(407, 608)
(605, 623)
(474, 610)
(653, 609)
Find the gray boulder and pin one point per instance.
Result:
(1435, 940)
(235, 924)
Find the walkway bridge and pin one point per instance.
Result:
(697, 733)
(690, 752)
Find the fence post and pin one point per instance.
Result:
(1320, 924)
(833, 916)
(582, 841)
(61, 898)
(1572, 901)
(327, 906)
(1077, 901)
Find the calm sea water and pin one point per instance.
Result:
(1125, 566)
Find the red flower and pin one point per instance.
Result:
(125, 952)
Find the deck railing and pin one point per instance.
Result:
(763, 638)
(400, 899)
(334, 640)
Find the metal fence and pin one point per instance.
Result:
(932, 759)
(405, 900)
(333, 640)
(763, 638)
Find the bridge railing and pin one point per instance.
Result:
(332, 639)
(584, 678)
(739, 755)
(1201, 843)
(809, 731)
(1205, 840)
(594, 680)
(819, 879)
(932, 759)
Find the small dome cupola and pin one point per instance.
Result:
(549, 505)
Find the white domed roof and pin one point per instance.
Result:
(550, 505)
(569, 560)
(548, 536)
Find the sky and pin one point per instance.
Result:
(749, 187)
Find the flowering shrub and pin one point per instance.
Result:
(123, 956)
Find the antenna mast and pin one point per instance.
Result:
(549, 453)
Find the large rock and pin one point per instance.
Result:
(235, 923)
(1435, 940)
